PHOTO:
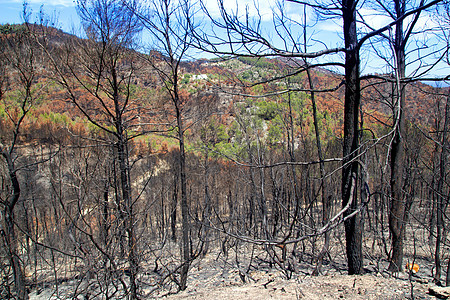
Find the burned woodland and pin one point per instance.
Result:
(129, 166)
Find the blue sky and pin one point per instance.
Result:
(328, 32)
(11, 10)
(64, 10)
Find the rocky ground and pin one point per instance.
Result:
(214, 277)
(272, 286)
(213, 280)
(210, 283)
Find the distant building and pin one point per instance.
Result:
(200, 77)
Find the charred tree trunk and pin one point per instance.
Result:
(125, 183)
(186, 252)
(129, 216)
(207, 206)
(353, 225)
(323, 185)
(441, 203)
(174, 205)
(447, 277)
(9, 234)
(397, 209)
(104, 217)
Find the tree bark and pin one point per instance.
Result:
(129, 218)
(186, 252)
(447, 277)
(9, 233)
(441, 203)
(173, 211)
(397, 211)
(353, 225)
(207, 208)
(323, 184)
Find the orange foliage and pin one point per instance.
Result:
(414, 268)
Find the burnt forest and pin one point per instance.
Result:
(163, 149)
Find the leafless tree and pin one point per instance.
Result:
(239, 35)
(401, 40)
(244, 38)
(165, 21)
(97, 74)
(18, 93)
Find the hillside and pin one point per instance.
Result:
(218, 85)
